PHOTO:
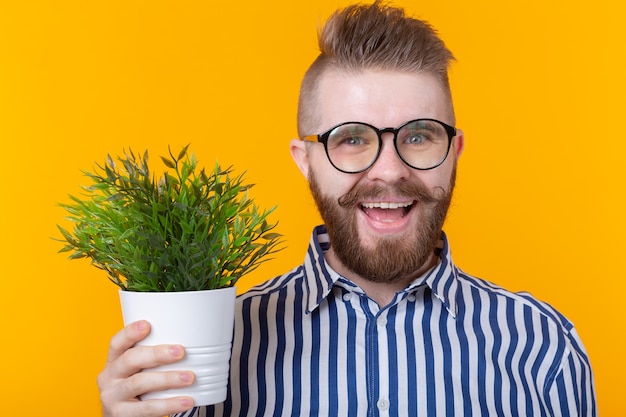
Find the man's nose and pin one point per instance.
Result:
(389, 167)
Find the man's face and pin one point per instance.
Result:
(383, 223)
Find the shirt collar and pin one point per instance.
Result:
(321, 278)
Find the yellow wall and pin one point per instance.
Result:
(538, 89)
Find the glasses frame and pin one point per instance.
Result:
(323, 138)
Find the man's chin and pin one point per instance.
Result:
(375, 243)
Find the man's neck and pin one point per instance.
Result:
(382, 293)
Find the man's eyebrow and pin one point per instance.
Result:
(423, 124)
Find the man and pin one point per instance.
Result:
(378, 320)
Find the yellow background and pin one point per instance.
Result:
(538, 88)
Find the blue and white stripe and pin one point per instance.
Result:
(311, 343)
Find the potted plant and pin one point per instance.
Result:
(185, 237)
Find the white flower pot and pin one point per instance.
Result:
(201, 321)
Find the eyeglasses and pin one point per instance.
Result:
(353, 147)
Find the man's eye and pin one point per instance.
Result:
(353, 140)
(416, 139)
(348, 140)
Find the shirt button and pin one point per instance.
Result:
(383, 404)
(347, 297)
(411, 298)
(381, 321)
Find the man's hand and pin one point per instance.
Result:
(121, 381)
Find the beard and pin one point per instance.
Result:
(393, 258)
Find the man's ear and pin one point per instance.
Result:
(458, 143)
(300, 155)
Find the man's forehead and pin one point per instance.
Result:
(381, 97)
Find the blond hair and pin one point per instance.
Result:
(372, 37)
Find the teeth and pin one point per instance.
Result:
(386, 205)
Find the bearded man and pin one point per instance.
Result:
(378, 320)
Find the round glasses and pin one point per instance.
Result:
(353, 147)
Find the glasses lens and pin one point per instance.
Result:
(423, 144)
(352, 147)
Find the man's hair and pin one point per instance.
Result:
(372, 37)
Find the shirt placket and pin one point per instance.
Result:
(377, 359)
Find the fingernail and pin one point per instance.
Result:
(186, 402)
(186, 377)
(141, 326)
(176, 351)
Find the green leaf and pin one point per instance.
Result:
(168, 163)
(183, 152)
(271, 236)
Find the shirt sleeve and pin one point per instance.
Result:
(571, 392)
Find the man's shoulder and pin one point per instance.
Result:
(488, 291)
(290, 280)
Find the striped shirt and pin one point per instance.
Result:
(311, 343)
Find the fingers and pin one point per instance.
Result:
(121, 397)
(152, 408)
(122, 361)
(127, 338)
(144, 357)
(121, 382)
(144, 382)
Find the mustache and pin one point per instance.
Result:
(412, 190)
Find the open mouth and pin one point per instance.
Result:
(387, 211)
